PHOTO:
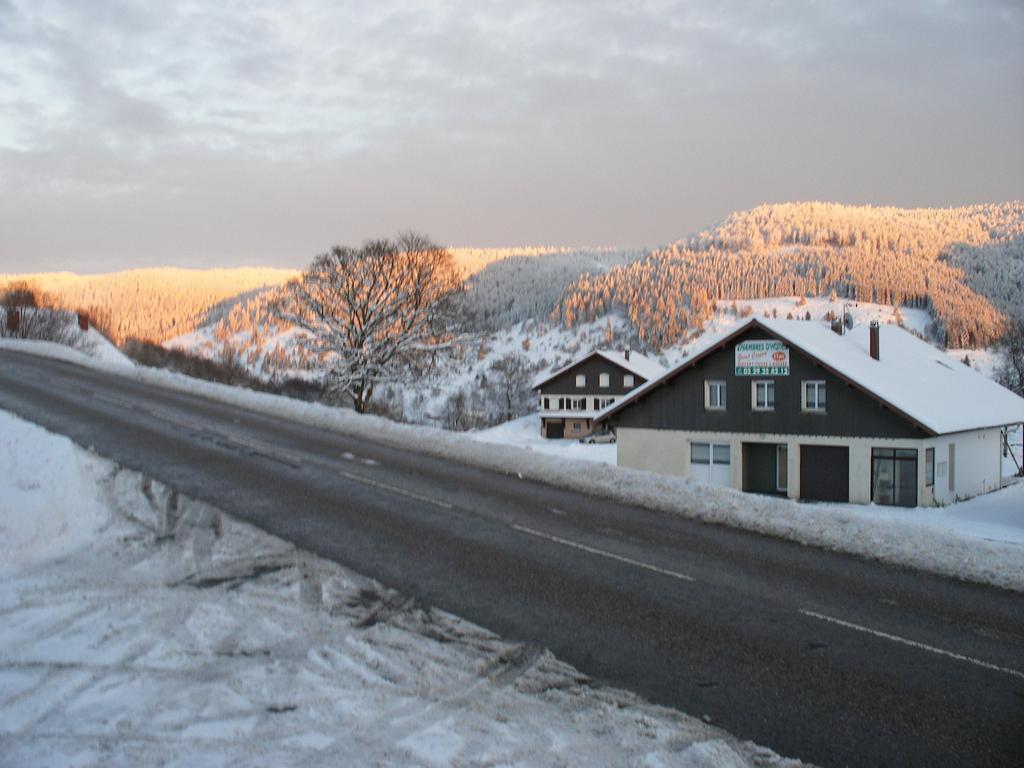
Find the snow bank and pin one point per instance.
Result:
(176, 635)
(524, 433)
(909, 538)
(97, 352)
(47, 507)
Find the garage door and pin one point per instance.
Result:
(555, 429)
(824, 473)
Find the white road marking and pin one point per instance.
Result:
(396, 489)
(913, 643)
(603, 553)
(369, 462)
(348, 456)
(559, 512)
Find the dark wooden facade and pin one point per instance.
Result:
(678, 402)
(592, 367)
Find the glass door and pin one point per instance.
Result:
(894, 476)
(781, 468)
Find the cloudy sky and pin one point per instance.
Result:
(248, 132)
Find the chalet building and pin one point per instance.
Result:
(571, 396)
(793, 408)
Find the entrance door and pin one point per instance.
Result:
(711, 463)
(824, 473)
(761, 468)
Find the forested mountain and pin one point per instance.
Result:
(160, 304)
(942, 260)
(505, 286)
(149, 304)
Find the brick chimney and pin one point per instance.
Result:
(873, 346)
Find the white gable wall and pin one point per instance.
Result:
(977, 465)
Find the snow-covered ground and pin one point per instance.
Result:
(525, 433)
(142, 628)
(904, 537)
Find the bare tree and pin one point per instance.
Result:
(369, 311)
(513, 379)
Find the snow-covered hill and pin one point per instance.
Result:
(544, 345)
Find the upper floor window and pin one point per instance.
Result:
(714, 395)
(579, 404)
(814, 395)
(604, 402)
(604, 380)
(546, 404)
(581, 380)
(763, 395)
(627, 380)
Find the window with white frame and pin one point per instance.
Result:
(579, 404)
(814, 396)
(714, 395)
(627, 380)
(604, 402)
(547, 404)
(604, 380)
(581, 380)
(763, 395)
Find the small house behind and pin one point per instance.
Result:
(572, 395)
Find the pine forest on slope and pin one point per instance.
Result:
(963, 265)
(150, 304)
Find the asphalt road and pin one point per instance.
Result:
(820, 656)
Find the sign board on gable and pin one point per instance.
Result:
(762, 358)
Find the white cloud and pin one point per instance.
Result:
(564, 117)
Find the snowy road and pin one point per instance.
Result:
(820, 656)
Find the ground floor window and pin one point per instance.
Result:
(894, 476)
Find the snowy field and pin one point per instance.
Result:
(140, 628)
(525, 433)
(983, 550)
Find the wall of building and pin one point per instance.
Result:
(592, 367)
(653, 450)
(577, 427)
(976, 466)
(567, 398)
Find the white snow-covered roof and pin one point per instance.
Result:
(639, 364)
(911, 375)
